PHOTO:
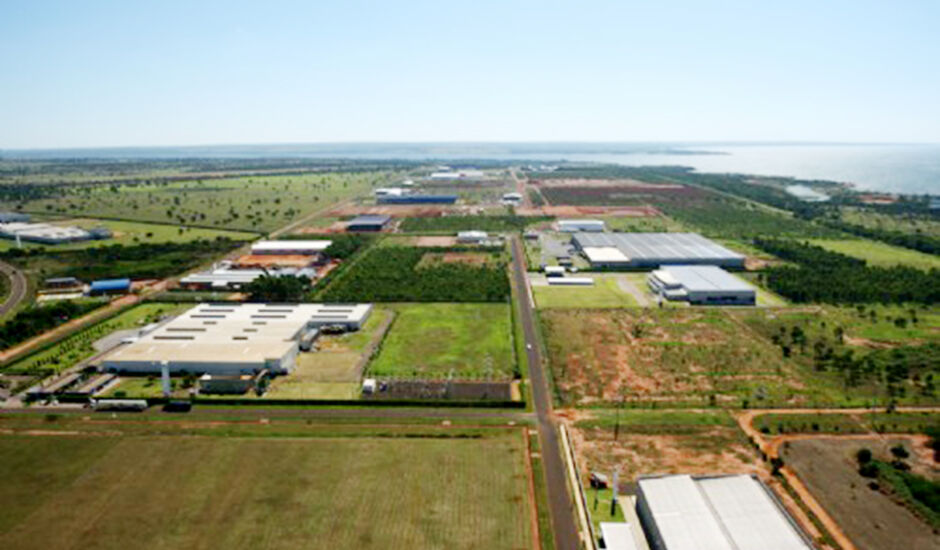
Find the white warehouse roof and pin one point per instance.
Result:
(717, 513)
(227, 337)
(618, 536)
(294, 247)
(702, 278)
(604, 254)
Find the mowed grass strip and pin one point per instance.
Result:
(880, 254)
(174, 492)
(604, 293)
(439, 340)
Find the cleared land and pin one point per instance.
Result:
(438, 341)
(684, 355)
(880, 254)
(869, 518)
(606, 292)
(105, 492)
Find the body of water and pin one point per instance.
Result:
(911, 169)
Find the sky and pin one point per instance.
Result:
(152, 73)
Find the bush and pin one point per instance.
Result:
(863, 456)
(868, 469)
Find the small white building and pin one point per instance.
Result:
(554, 271)
(617, 536)
(577, 226)
(472, 237)
(605, 256)
(512, 199)
(570, 281)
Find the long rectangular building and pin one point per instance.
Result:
(644, 250)
(232, 338)
(736, 512)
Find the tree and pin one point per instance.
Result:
(900, 452)
(863, 456)
(271, 288)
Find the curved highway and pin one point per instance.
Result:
(18, 288)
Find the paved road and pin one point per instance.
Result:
(559, 499)
(17, 287)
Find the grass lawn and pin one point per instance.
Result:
(339, 492)
(132, 233)
(880, 254)
(605, 293)
(333, 372)
(436, 341)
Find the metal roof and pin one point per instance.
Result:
(749, 514)
(658, 247)
(370, 219)
(618, 536)
(604, 254)
(703, 278)
(682, 515)
(718, 513)
(111, 284)
(306, 246)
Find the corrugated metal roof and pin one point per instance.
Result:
(659, 247)
(718, 513)
(683, 516)
(111, 284)
(705, 278)
(618, 536)
(749, 515)
(603, 254)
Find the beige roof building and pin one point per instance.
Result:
(232, 338)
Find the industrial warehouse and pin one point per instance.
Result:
(44, 233)
(736, 512)
(701, 285)
(288, 258)
(646, 250)
(232, 338)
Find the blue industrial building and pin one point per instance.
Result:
(110, 286)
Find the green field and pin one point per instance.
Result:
(131, 233)
(435, 341)
(904, 224)
(880, 254)
(605, 293)
(253, 203)
(166, 491)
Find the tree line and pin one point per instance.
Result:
(820, 275)
(36, 320)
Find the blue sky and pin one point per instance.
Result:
(84, 74)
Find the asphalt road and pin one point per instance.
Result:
(17, 287)
(559, 499)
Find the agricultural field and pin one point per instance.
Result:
(252, 203)
(162, 491)
(401, 274)
(880, 254)
(606, 292)
(440, 341)
(453, 224)
(846, 423)
(869, 516)
(129, 233)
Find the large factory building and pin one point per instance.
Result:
(651, 250)
(735, 512)
(233, 338)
